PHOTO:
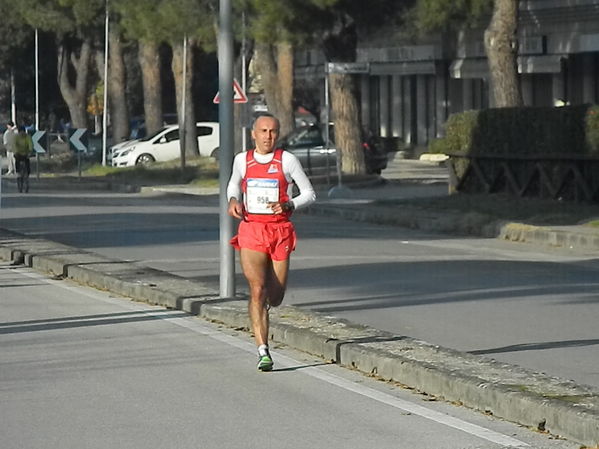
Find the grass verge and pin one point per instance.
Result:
(200, 171)
(503, 207)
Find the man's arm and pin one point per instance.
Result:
(296, 172)
(234, 187)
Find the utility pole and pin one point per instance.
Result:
(183, 132)
(37, 84)
(225, 118)
(105, 108)
(243, 82)
(13, 104)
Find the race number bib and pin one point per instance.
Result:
(259, 193)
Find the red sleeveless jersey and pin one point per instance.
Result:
(264, 183)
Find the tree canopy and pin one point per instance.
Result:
(62, 16)
(14, 36)
(168, 20)
(432, 15)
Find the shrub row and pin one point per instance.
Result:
(522, 131)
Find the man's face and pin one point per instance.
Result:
(265, 134)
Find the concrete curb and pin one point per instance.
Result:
(509, 392)
(472, 224)
(71, 183)
(577, 240)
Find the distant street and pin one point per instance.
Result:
(512, 302)
(84, 369)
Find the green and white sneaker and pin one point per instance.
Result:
(265, 363)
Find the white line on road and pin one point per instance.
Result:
(197, 326)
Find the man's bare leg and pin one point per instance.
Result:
(256, 266)
(276, 284)
(267, 281)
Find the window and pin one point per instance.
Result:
(204, 130)
(172, 135)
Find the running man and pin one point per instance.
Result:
(260, 194)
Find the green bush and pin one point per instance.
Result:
(592, 129)
(200, 168)
(523, 131)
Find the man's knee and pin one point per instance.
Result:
(257, 292)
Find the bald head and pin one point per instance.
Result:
(265, 133)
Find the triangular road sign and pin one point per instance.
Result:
(238, 94)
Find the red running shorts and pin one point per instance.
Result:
(275, 239)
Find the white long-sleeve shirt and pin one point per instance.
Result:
(292, 168)
(9, 139)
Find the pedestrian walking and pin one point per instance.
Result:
(23, 150)
(8, 139)
(260, 195)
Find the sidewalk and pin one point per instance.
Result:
(510, 392)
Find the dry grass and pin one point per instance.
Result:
(502, 207)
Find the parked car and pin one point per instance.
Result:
(138, 125)
(164, 146)
(115, 149)
(308, 144)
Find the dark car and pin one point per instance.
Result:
(308, 144)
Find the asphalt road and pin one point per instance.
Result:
(512, 302)
(83, 369)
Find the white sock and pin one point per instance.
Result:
(262, 350)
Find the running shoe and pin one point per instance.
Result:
(265, 363)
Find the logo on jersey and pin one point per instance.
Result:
(273, 168)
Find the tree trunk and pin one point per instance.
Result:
(285, 65)
(275, 64)
(190, 137)
(117, 84)
(75, 95)
(149, 61)
(340, 45)
(266, 66)
(347, 123)
(502, 50)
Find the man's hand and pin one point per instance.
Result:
(235, 209)
(279, 208)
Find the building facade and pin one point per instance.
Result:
(409, 91)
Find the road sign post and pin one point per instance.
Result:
(239, 95)
(78, 142)
(78, 139)
(39, 140)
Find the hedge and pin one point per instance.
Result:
(522, 131)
